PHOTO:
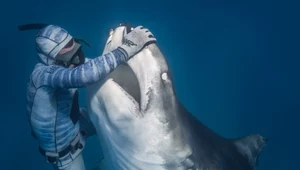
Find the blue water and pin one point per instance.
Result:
(235, 66)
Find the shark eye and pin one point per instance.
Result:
(164, 76)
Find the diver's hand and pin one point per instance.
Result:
(136, 40)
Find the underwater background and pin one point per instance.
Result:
(235, 66)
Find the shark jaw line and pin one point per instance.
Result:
(137, 112)
(129, 70)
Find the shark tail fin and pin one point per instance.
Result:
(250, 147)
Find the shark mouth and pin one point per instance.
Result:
(127, 80)
(123, 75)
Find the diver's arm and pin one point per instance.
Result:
(97, 68)
(90, 72)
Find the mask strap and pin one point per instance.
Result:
(78, 40)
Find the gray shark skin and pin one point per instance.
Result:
(143, 126)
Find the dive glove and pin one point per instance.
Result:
(136, 40)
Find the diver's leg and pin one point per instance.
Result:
(76, 164)
(72, 161)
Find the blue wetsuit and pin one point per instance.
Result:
(50, 95)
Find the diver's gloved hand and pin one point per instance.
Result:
(137, 39)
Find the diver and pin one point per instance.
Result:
(56, 120)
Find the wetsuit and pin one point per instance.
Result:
(52, 105)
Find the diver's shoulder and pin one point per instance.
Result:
(45, 68)
(41, 71)
(40, 66)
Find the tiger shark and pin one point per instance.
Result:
(142, 125)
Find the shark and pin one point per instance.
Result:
(142, 125)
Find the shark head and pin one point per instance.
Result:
(141, 124)
(135, 109)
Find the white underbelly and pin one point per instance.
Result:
(129, 138)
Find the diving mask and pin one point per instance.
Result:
(70, 54)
